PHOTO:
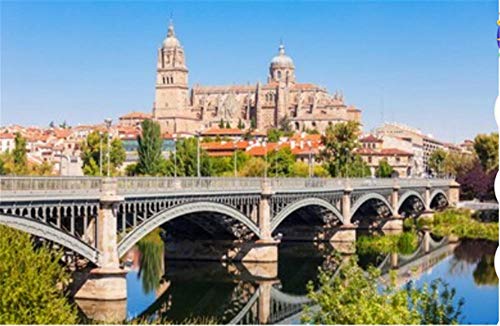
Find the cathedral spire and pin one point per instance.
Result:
(282, 47)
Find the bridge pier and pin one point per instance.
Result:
(106, 282)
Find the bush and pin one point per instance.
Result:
(355, 297)
(30, 283)
(459, 222)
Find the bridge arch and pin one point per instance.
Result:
(313, 201)
(48, 232)
(178, 211)
(408, 194)
(437, 192)
(365, 198)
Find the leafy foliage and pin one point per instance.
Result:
(30, 283)
(187, 160)
(301, 169)
(477, 183)
(486, 148)
(17, 163)
(150, 144)
(274, 135)
(281, 162)
(354, 297)
(90, 155)
(436, 161)
(254, 167)
(384, 169)
(340, 141)
(151, 261)
(405, 243)
(459, 222)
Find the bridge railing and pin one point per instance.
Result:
(53, 185)
(17, 186)
(129, 185)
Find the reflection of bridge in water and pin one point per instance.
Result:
(245, 298)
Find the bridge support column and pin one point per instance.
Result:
(264, 301)
(266, 248)
(426, 239)
(454, 193)
(346, 205)
(427, 198)
(107, 282)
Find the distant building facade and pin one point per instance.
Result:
(179, 109)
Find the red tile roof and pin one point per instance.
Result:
(370, 139)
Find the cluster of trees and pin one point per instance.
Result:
(16, 162)
(355, 297)
(475, 173)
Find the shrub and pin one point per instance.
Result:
(30, 283)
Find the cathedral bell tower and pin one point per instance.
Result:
(171, 94)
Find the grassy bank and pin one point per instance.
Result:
(460, 223)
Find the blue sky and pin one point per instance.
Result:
(431, 65)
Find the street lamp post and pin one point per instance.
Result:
(235, 158)
(108, 125)
(264, 143)
(175, 155)
(198, 154)
(310, 160)
(100, 153)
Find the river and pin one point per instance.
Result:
(238, 293)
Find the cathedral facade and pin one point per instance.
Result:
(179, 109)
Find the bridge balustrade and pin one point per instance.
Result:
(138, 185)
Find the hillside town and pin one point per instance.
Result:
(406, 149)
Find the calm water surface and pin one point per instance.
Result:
(251, 294)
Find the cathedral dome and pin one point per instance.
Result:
(171, 41)
(282, 60)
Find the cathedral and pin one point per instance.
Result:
(304, 106)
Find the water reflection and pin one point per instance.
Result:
(269, 293)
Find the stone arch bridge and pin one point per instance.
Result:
(102, 218)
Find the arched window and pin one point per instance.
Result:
(279, 74)
(171, 80)
(297, 126)
(163, 79)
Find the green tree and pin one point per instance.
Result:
(20, 160)
(254, 167)
(486, 148)
(458, 163)
(221, 123)
(384, 169)
(241, 125)
(3, 170)
(281, 162)
(436, 161)
(44, 169)
(150, 149)
(228, 126)
(30, 283)
(274, 135)
(91, 154)
(340, 141)
(301, 169)
(187, 159)
(354, 297)
(285, 126)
